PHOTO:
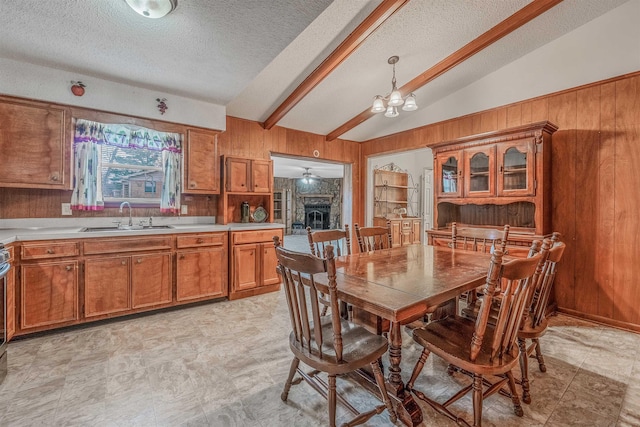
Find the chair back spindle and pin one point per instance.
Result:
(479, 239)
(339, 239)
(544, 284)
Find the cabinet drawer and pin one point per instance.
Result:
(49, 250)
(195, 240)
(240, 237)
(92, 247)
(406, 225)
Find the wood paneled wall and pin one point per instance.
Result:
(595, 188)
(242, 138)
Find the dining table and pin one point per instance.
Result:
(402, 285)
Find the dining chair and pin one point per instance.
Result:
(327, 344)
(339, 239)
(534, 323)
(477, 239)
(487, 352)
(373, 238)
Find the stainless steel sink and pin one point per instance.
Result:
(127, 228)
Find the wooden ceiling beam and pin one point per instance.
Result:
(512, 23)
(381, 13)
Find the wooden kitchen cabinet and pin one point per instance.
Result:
(48, 293)
(201, 163)
(39, 130)
(448, 172)
(248, 175)
(201, 266)
(119, 280)
(253, 263)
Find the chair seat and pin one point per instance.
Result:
(528, 331)
(450, 339)
(360, 348)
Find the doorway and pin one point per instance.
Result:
(311, 193)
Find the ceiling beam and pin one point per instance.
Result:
(512, 23)
(346, 48)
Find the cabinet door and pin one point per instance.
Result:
(11, 302)
(406, 232)
(201, 163)
(246, 270)
(269, 264)
(201, 273)
(480, 172)
(261, 176)
(106, 286)
(32, 143)
(48, 293)
(516, 168)
(415, 232)
(238, 174)
(150, 280)
(448, 174)
(396, 234)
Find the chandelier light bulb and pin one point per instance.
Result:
(395, 99)
(410, 103)
(152, 8)
(378, 105)
(391, 112)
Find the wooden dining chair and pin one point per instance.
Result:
(483, 350)
(534, 324)
(327, 344)
(373, 238)
(339, 239)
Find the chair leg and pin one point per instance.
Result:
(332, 400)
(541, 365)
(377, 372)
(477, 400)
(292, 371)
(418, 368)
(524, 368)
(517, 408)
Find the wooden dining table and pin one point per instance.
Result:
(402, 285)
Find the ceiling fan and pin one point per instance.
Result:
(307, 176)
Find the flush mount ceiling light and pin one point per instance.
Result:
(152, 8)
(394, 99)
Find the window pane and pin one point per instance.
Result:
(131, 183)
(131, 156)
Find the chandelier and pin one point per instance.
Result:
(394, 99)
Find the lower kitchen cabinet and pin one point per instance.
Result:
(201, 266)
(117, 284)
(48, 293)
(253, 263)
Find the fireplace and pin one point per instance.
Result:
(317, 216)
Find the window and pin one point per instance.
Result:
(114, 163)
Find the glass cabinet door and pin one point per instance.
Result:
(516, 169)
(449, 174)
(480, 172)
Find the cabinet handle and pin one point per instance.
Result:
(69, 268)
(501, 169)
(54, 177)
(181, 256)
(50, 251)
(139, 260)
(192, 185)
(123, 262)
(200, 241)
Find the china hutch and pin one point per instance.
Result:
(495, 178)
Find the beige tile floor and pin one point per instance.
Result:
(224, 364)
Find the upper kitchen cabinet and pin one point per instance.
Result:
(33, 143)
(496, 178)
(201, 163)
(248, 175)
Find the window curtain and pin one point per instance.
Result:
(87, 193)
(87, 179)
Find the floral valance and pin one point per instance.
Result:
(122, 136)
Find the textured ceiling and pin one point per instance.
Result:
(250, 55)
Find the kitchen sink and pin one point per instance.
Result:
(127, 228)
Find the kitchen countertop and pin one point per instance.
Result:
(23, 233)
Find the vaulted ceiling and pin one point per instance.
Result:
(252, 55)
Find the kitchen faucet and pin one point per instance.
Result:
(122, 205)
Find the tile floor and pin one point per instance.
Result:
(224, 364)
